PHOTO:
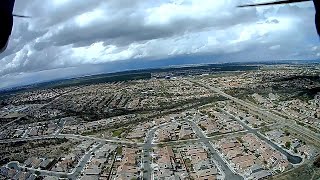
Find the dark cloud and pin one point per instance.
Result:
(65, 33)
(126, 27)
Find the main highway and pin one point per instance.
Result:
(71, 136)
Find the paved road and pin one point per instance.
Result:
(147, 148)
(146, 156)
(26, 133)
(41, 106)
(197, 139)
(290, 123)
(58, 96)
(16, 165)
(60, 127)
(70, 136)
(291, 158)
(73, 175)
(26, 139)
(83, 161)
(5, 125)
(74, 136)
(224, 167)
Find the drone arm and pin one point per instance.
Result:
(20, 16)
(317, 18)
(275, 2)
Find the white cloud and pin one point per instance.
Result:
(64, 33)
(275, 47)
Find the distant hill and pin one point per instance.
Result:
(146, 74)
(85, 80)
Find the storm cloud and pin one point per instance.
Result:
(68, 33)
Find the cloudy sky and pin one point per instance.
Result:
(66, 38)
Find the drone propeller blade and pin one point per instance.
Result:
(273, 3)
(20, 16)
(317, 19)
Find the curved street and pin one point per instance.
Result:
(73, 175)
(291, 158)
(290, 123)
(70, 136)
(148, 144)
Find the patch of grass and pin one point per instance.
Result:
(88, 133)
(161, 145)
(202, 127)
(119, 150)
(265, 129)
(300, 123)
(306, 171)
(215, 134)
(117, 132)
(239, 139)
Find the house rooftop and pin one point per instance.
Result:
(89, 177)
(261, 175)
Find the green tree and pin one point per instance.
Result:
(317, 162)
(287, 133)
(287, 145)
(265, 162)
